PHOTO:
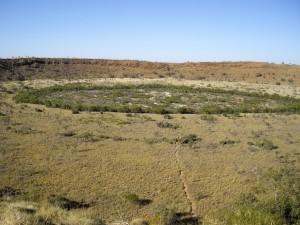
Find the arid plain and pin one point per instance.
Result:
(62, 163)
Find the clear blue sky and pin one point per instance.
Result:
(156, 30)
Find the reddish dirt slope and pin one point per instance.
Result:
(252, 72)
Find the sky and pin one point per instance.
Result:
(154, 30)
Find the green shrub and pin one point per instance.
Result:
(163, 124)
(286, 199)
(185, 110)
(133, 198)
(189, 139)
(161, 110)
(136, 200)
(212, 109)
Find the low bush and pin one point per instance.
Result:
(24, 130)
(161, 110)
(164, 124)
(68, 133)
(213, 109)
(65, 203)
(75, 111)
(8, 192)
(166, 216)
(185, 110)
(88, 137)
(136, 200)
(264, 144)
(167, 116)
(189, 139)
(132, 198)
(227, 142)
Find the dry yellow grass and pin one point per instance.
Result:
(98, 158)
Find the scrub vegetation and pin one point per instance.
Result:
(155, 98)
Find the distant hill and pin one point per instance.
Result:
(61, 68)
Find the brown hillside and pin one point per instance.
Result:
(46, 68)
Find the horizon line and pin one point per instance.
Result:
(150, 61)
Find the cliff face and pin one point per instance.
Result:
(57, 68)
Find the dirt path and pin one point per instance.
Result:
(182, 177)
